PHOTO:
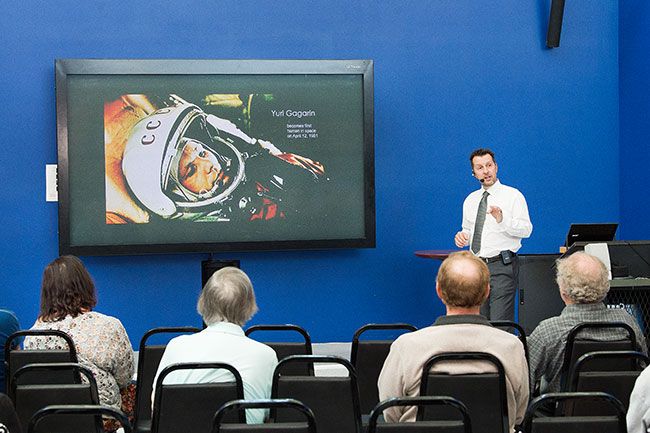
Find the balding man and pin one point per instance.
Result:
(584, 282)
(463, 284)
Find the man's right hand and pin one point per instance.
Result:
(461, 239)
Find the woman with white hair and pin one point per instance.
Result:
(226, 303)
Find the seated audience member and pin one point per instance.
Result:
(638, 414)
(8, 325)
(8, 419)
(463, 284)
(67, 300)
(226, 303)
(583, 282)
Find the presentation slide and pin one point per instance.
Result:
(164, 159)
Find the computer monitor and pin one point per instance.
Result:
(591, 232)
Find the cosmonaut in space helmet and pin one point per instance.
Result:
(176, 162)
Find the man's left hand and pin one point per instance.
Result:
(496, 212)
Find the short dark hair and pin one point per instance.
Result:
(482, 151)
(67, 289)
(461, 286)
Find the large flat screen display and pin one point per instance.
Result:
(214, 155)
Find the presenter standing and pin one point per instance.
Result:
(495, 220)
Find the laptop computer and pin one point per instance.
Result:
(591, 232)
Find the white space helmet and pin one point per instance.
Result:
(151, 156)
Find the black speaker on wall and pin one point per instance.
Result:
(555, 24)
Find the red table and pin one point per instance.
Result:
(435, 254)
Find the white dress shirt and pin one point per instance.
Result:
(223, 342)
(638, 415)
(507, 234)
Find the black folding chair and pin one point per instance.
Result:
(508, 326)
(49, 418)
(368, 356)
(307, 426)
(8, 415)
(148, 360)
(334, 400)
(284, 349)
(484, 394)
(618, 383)
(596, 423)
(183, 408)
(463, 425)
(578, 345)
(15, 359)
(31, 397)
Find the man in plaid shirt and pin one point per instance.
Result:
(584, 282)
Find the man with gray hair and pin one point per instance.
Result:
(226, 303)
(584, 282)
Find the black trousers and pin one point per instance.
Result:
(503, 287)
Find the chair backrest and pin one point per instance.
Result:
(463, 425)
(574, 424)
(181, 408)
(15, 359)
(47, 418)
(284, 349)
(334, 400)
(507, 325)
(8, 415)
(30, 398)
(368, 356)
(148, 360)
(578, 345)
(617, 383)
(484, 394)
(307, 426)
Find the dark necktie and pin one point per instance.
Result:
(480, 222)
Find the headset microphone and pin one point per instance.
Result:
(474, 175)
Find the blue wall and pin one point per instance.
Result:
(450, 75)
(634, 61)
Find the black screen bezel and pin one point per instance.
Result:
(97, 67)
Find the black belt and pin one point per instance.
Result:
(496, 258)
(491, 259)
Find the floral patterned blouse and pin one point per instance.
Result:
(102, 346)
